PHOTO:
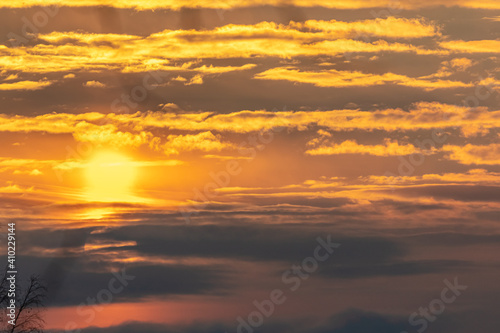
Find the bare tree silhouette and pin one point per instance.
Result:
(30, 302)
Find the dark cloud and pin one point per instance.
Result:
(411, 207)
(491, 215)
(456, 192)
(56, 238)
(356, 321)
(249, 242)
(358, 257)
(451, 239)
(70, 280)
(159, 281)
(396, 268)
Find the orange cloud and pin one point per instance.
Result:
(94, 84)
(13, 188)
(109, 135)
(229, 4)
(390, 27)
(474, 176)
(389, 148)
(460, 64)
(25, 85)
(206, 142)
(472, 154)
(340, 79)
(421, 116)
(451, 67)
(197, 79)
(74, 51)
(473, 46)
(225, 69)
(25, 166)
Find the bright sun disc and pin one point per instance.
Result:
(110, 177)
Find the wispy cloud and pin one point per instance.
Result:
(341, 79)
(25, 85)
(389, 148)
(72, 51)
(229, 4)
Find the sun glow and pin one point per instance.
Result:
(110, 177)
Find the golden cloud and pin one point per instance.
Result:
(421, 116)
(473, 176)
(389, 148)
(19, 166)
(473, 46)
(205, 142)
(25, 85)
(94, 84)
(390, 27)
(109, 135)
(473, 154)
(74, 51)
(14, 188)
(34, 172)
(389, 5)
(341, 79)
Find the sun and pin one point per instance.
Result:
(110, 177)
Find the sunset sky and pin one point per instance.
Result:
(202, 149)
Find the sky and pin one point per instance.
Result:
(285, 166)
